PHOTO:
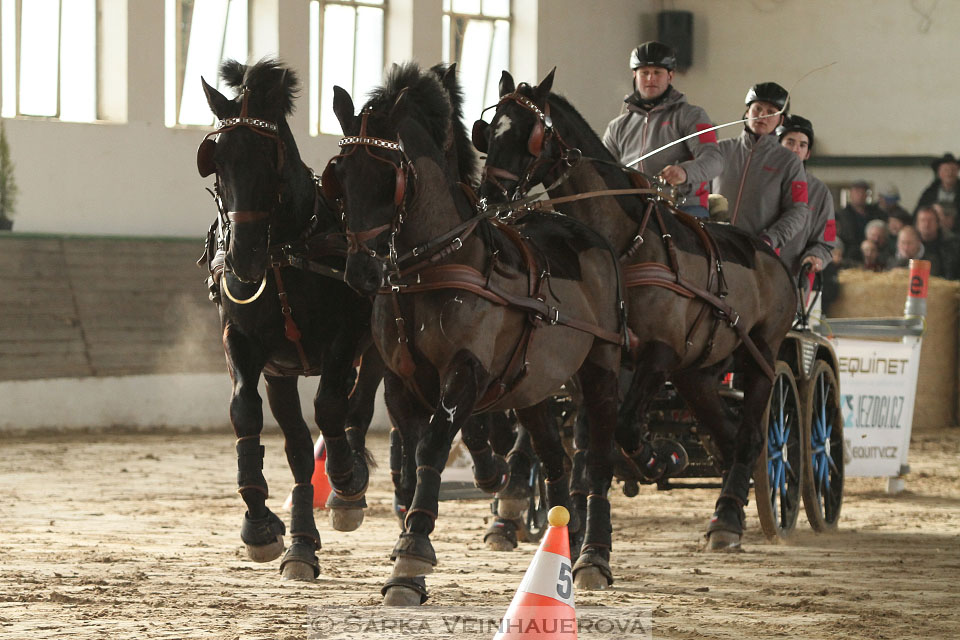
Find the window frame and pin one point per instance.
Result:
(451, 34)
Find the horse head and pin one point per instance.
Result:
(250, 152)
(520, 142)
(406, 122)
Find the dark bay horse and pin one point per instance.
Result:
(468, 316)
(537, 137)
(275, 258)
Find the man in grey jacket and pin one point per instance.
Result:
(657, 114)
(814, 245)
(763, 182)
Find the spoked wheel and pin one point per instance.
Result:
(778, 474)
(536, 516)
(823, 449)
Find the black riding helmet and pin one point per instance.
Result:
(796, 123)
(768, 92)
(653, 54)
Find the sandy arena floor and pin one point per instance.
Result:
(137, 536)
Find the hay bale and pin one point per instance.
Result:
(867, 294)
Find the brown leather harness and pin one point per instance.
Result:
(425, 274)
(639, 274)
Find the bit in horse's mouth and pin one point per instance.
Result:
(226, 290)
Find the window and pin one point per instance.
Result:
(200, 34)
(349, 54)
(476, 35)
(48, 52)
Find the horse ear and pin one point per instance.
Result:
(543, 89)
(400, 107)
(506, 83)
(343, 108)
(218, 103)
(450, 75)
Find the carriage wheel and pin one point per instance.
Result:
(778, 474)
(823, 449)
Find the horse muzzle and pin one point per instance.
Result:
(364, 273)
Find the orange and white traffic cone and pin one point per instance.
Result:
(321, 485)
(543, 607)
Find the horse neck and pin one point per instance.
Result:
(434, 208)
(299, 192)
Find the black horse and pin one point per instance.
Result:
(692, 314)
(467, 314)
(276, 255)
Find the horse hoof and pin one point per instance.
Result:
(724, 541)
(346, 519)
(298, 571)
(590, 579)
(496, 542)
(399, 596)
(409, 567)
(265, 552)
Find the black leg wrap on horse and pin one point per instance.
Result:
(302, 523)
(351, 485)
(302, 550)
(418, 584)
(728, 514)
(506, 529)
(250, 465)
(415, 545)
(260, 531)
(396, 455)
(558, 493)
(599, 533)
(593, 558)
(425, 500)
(518, 485)
(491, 473)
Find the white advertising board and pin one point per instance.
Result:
(878, 385)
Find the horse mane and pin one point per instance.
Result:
(467, 162)
(427, 97)
(264, 79)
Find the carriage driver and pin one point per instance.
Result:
(656, 114)
(763, 182)
(814, 245)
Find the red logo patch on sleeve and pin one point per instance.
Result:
(830, 231)
(709, 136)
(798, 189)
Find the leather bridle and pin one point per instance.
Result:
(357, 240)
(541, 135)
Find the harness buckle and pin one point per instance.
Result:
(735, 319)
(553, 315)
(456, 244)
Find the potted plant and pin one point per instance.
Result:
(8, 186)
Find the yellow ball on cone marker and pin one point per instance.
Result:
(543, 606)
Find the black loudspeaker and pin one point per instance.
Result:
(675, 28)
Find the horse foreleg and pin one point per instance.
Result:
(300, 561)
(346, 467)
(363, 398)
(599, 383)
(413, 554)
(490, 471)
(513, 499)
(262, 531)
(409, 420)
(726, 526)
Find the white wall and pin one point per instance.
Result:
(891, 93)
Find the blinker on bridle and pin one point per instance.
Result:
(357, 241)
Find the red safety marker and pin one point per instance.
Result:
(543, 606)
(917, 289)
(321, 485)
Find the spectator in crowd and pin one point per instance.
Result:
(909, 247)
(945, 187)
(871, 256)
(764, 182)
(947, 215)
(895, 222)
(940, 251)
(814, 244)
(854, 217)
(656, 114)
(876, 232)
(888, 201)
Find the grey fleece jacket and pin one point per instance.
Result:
(638, 131)
(766, 188)
(820, 235)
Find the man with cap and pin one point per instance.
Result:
(945, 187)
(657, 114)
(853, 218)
(814, 245)
(889, 202)
(763, 182)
